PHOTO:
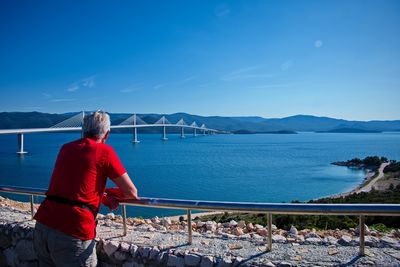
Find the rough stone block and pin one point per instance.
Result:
(345, 240)
(207, 261)
(110, 247)
(192, 259)
(25, 250)
(175, 261)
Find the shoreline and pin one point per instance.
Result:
(370, 179)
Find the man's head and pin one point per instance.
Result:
(96, 125)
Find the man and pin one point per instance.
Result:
(66, 228)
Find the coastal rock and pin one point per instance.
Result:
(388, 241)
(110, 247)
(144, 251)
(237, 261)
(312, 234)
(345, 240)
(238, 231)
(162, 257)
(207, 261)
(156, 220)
(200, 224)
(192, 259)
(241, 224)
(233, 223)
(5, 241)
(258, 226)
(10, 256)
(133, 250)
(293, 230)
(313, 240)
(154, 253)
(121, 256)
(367, 231)
(166, 222)
(262, 232)
(278, 239)
(110, 216)
(124, 247)
(211, 226)
(176, 261)
(371, 241)
(330, 240)
(285, 264)
(225, 262)
(250, 227)
(25, 250)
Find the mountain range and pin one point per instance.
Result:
(14, 120)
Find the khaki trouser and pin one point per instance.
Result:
(54, 248)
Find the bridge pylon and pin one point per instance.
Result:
(163, 121)
(135, 136)
(203, 126)
(194, 125)
(21, 144)
(182, 123)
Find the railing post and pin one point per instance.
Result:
(32, 209)
(269, 219)
(362, 236)
(124, 219)
(189, 222)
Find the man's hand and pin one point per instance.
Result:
(114, 204)
(110, 202)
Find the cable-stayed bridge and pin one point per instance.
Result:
(74, 124)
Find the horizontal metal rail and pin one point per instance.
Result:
(360, 210)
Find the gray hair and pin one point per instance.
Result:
(96, 125)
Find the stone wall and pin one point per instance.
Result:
(16, 249)
(168, 248)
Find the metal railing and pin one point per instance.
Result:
(360, 210)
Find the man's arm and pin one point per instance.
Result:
(125, 184)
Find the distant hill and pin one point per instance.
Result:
(251, 124)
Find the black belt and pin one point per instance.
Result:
(71, 203)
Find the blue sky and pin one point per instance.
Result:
(267, 58)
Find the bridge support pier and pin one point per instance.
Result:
(21, 144)
(135, 139)
(164, 137)
(182, 132)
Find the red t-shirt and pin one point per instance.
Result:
(80, 174)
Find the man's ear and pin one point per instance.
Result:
(105, 136)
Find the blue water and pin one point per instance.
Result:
(259, 168)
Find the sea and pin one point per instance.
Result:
(222, 167)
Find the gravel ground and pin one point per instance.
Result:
(252, 251)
